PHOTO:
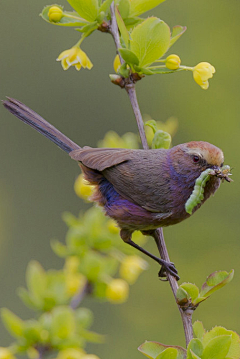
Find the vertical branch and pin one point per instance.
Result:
(158, 234)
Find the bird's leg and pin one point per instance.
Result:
(169, 267)
(162, 272)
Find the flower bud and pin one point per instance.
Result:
(55, 13)
(202, 72)
(82, 188)
(112, 226)
(117, 291)
(131, 267)
(71, 353)
(5, 353)
(173, 62)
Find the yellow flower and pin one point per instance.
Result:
(74, 57)
(131, 267)
(116, 63)
(90, 356)
(173, 62)
(202, 72)
(112, 226)
(5, 353)
(117, 291)
(71, 353)
(82, 188)
(55, 13)
(75, 283)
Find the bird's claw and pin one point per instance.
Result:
(168, 267)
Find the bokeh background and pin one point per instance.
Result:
(36, 178)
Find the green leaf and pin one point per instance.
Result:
(217, 348)
(169, 353)
(152, 124)
(234, 350)
(84, 317)
(12, 322)
(216, 281)
(191, 289)
(92, 336)
(124, 8)
(138, 7)
(70, 18)
(36, 279)
(32, 331)
(192, 355)
(88, 9)
(63, 323)
(131, 22)
(154, 349)
(58, 248)
(176, 33)
(88, 29)
(150, 40)
(195, 346)
(123, 71)
(198, 329)
(129, 56)
(105, 6)
(161, 139)
(142, 70)
(182, 296)
(122, 28)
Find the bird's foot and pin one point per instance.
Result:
(167, 267)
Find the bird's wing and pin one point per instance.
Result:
(101, 158)
(137, 175)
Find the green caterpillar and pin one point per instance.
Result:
(198, 192)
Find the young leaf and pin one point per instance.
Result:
(129, 56)
(152, 124)
(63, 322)
(217, 348)
(195, 346)
(198, 329)
(216, 281)
(70, 18)
(105, 6)
(124, 8)
(12, 322)
(182, 296)
(150, 40)
(138, 7)
(169, 353)
(36, 279)
(176, 33)
(154, 349)
(161, 139)
(122, 28)
(191, 289)
(234, 350)
(88, 9)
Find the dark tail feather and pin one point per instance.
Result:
(34, 120)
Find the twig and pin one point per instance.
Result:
(76, 300)
(158, 234)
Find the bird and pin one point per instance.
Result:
(141, 190)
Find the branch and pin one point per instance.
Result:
(158, 234)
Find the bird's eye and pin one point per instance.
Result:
(196, 159)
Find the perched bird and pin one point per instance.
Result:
(139, 189)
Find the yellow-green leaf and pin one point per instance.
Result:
(150, 40)
(12, 322)
(88, 9)
(138, 7)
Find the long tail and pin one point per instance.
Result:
(34, 120)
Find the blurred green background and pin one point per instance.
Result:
(36, 178)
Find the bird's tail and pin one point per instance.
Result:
(34, 120)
